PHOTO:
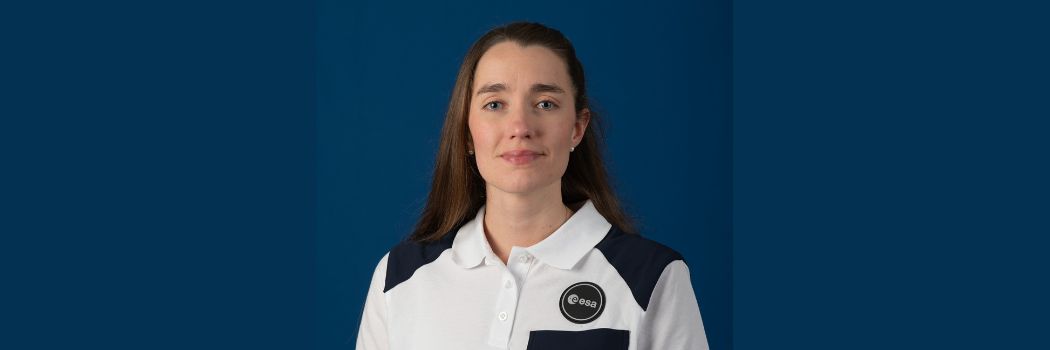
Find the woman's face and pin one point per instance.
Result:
(522, 118)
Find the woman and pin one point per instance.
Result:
(522, 243)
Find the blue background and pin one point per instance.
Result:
(159, 178)
(890, 174)
(185, 174)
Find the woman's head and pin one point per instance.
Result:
(519, 120)
(522, 119)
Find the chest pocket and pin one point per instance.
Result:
(592, 339)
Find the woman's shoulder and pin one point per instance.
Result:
(636, 248)
(407, 256)
(639, 260)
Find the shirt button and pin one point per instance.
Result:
(524, 259)
(506, 285)
(502, 316)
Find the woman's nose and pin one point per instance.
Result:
(521, 123)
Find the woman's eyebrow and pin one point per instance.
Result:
(487, 88)
(552, 88)
(538, 87)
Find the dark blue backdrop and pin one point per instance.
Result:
(159, 184)
(890, 174)
(215, 174)
(660, 75)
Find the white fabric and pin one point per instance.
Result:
(468, 299)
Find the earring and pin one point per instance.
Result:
(470, 152)
(572, 149)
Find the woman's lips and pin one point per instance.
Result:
(520, 157)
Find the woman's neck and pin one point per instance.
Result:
(522, 220)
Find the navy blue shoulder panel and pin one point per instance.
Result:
(639, 260)
(407, 257)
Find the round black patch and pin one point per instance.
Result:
(582, 302)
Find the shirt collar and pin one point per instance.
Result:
(562, 249)
(470, 246)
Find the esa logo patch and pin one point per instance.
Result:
(582, 302)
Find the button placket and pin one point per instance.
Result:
(508, 299)
(506, 307)
(514, 273)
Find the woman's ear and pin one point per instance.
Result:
(583, 118)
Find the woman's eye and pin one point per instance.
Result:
(492, 106)
(546, 105)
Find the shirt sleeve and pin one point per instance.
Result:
(672, 320)
(372, 335)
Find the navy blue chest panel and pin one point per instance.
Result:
(640, 261)
(591, 339)
(407, 257)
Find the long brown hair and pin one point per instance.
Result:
(458, 190)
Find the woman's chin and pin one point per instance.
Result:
(523, 187)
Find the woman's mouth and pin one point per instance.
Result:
(520, 157)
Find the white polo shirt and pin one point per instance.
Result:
(586, 286)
